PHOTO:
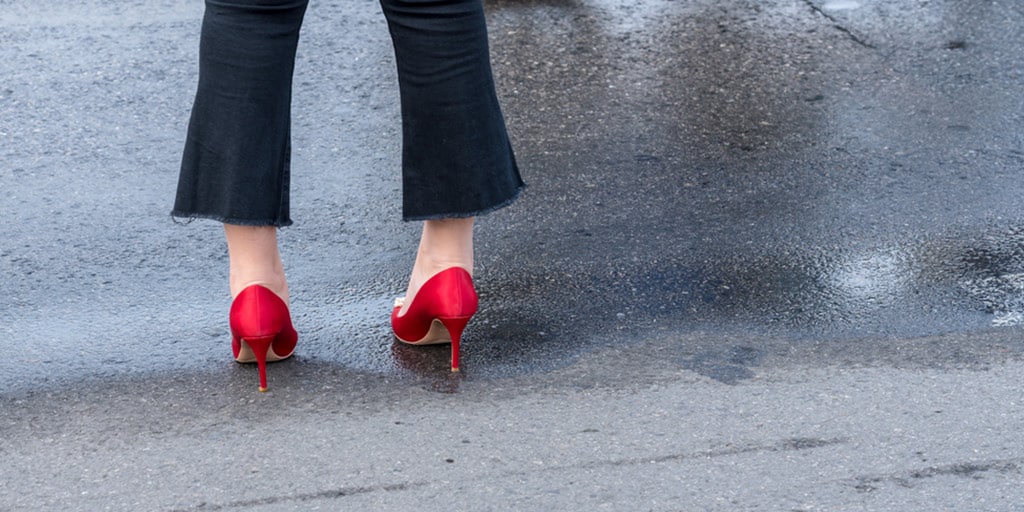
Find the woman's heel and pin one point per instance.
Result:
(261, 329)
(439, 312)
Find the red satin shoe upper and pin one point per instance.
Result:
(449, 294)
(258, 312)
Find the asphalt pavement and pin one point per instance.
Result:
(771, 257)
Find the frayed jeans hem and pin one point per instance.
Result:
(188, 217)
(465, 215)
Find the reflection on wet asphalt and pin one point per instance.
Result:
(807, 170)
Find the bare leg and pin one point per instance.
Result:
(445, 243)
(255, 259)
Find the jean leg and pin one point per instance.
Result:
(235, 166)
(456, 159)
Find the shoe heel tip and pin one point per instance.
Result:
(263, 389)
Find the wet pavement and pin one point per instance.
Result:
(771, 257)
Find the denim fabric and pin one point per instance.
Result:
(456, 161)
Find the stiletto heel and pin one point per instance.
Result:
(439, 312)
(455, 326)
(261, 329)
(259, 348)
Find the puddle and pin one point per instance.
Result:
(993, 275)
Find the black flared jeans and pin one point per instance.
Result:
(456, 156)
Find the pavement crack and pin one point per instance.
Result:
(322, 495)
(838, 25)
(910, 478)
(785, 445)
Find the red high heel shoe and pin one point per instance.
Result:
(261, 329)
(439, 312)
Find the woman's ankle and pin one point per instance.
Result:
(447, 242)
(444, 244)
(242, 280)
(254, 259)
